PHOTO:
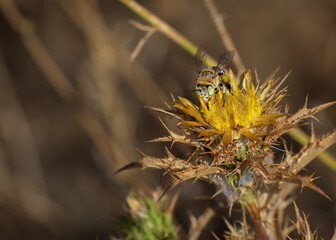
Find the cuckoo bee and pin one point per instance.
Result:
(210, 79)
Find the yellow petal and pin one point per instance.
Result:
(193, 123)
(226, 139)
(250, 135)
(209, 132)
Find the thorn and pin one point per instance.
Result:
(164, 125)
(315, 118)
(173, 184)
(216, 194)
(217, 238)
(306, 102)
(167, 105)
(129, 166)
(312, 136)
(274, 73)
(312, 176)
(169, 154)
(281, 82)
(140, 152)
(171, 145)
(172, 96)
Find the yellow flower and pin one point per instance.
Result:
(246, 111)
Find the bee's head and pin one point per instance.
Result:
(205, 91)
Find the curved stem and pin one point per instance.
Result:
(164, 28)
(254, 212)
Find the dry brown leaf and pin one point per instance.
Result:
(285, 175)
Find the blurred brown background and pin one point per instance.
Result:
(60, 147)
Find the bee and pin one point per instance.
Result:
(210, 79)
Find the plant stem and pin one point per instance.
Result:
(224, 34)
(164, 28)
(254, 212)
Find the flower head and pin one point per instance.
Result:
(245, 111)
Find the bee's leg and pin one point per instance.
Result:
(221, 86)
(228, 86)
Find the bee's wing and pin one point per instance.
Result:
(225, 59)
(200, 60)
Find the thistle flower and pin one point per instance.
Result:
(245, 111)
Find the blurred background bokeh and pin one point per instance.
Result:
(60, 144)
